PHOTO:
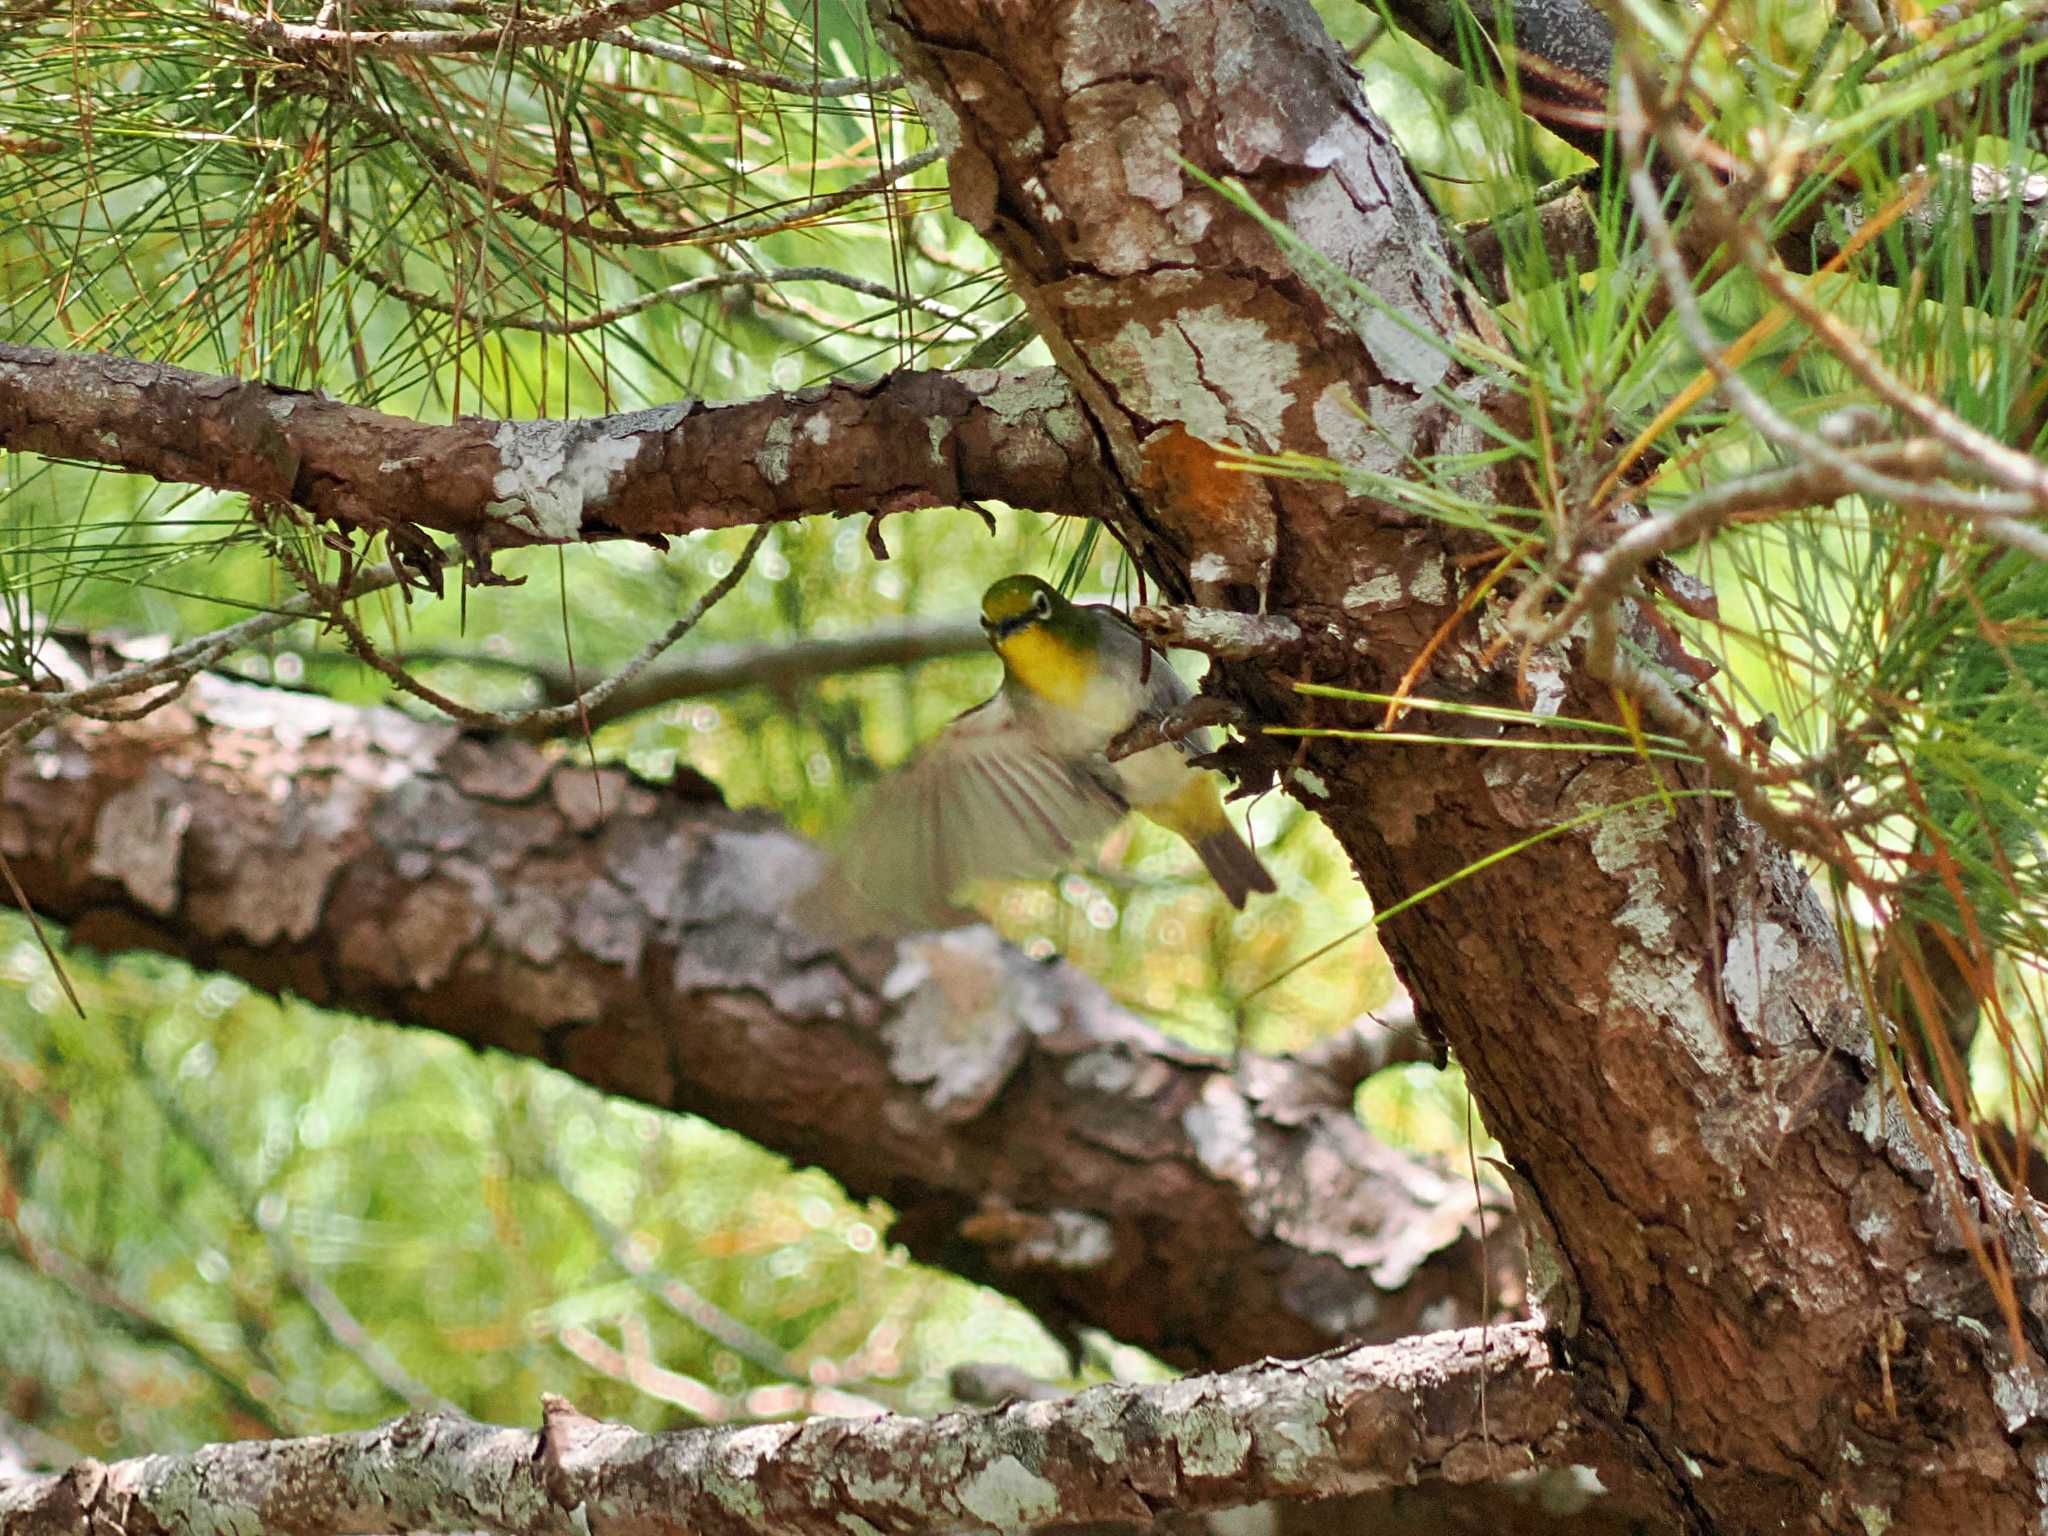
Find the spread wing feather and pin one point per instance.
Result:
(981, 801)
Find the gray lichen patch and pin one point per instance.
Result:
(938, 117)
(1206, 1436)
(772, 457)
(1250, 369)
(1373, 594)
(1221, 632)
(1015, 396)
(552, 472)
(1158, 375)
(1064, 1239)
(1624, 844)
(139, 842)
(1009, 1495)
(1348, 435)
(1430, 585)
(1121, 162)
(1380, 304)
(1653, 978)
(1220, 1128)
(1291, 1440)
(1310, 782)
(964, 1015)
(1758, 954)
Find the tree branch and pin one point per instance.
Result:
(1029, 1134)
(711, 669)
(579, 26)
(1450, 1407)
(1564, 50)
(1563, 53)
(552, 32)
(910, 440)
(1220, 632)
(779, 664)
(343, 251)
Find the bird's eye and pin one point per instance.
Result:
(1041, 605)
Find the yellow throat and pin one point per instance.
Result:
(1057, 672)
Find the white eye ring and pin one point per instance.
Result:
(1041, 605)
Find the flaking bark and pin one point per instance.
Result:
(1349, 1423)
(1028, 1132)
(910, 440)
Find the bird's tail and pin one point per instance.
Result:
(1232, 864)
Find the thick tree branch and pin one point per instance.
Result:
(1028, 1133)
(1452, 1407)
(910, 440)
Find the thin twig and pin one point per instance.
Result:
(414, 42)
(1176, 724)
(690, 1305)
(601, 23)
(717, 67)
(339, 247)
(1993, 513)
(83, 1284)
(531, 205)
(1604, 657)
(545, 717)
(780, 664)
(638, 1370)
(177, 666)
(35, 923)
(2017, 471)
(1607, 575)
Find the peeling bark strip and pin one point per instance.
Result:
(1754, 1247)
(1369, 1419)
(1029, 1134)
(910, 440)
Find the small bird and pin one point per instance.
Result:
(1015, 788)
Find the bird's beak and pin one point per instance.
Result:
(999, 630)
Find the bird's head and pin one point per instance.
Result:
(1041, 637)
(1018, 603)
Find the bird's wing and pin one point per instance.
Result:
(981, 801)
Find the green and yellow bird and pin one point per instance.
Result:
(1017, 787)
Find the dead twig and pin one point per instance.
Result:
(1175, 725)
(1219, 632)
(545, 717)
